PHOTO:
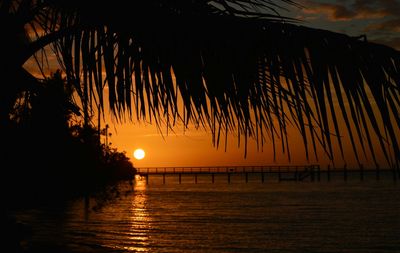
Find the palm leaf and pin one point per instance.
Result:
(239, 66)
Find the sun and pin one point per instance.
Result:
(139, 154)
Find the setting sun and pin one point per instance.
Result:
(139, 154)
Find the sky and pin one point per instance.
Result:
(379, 20)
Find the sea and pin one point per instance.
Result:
(354, 216)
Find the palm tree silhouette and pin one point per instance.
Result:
(235, 64)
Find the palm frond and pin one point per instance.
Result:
(239, 70)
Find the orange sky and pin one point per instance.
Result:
(194, 147)
(188, 148)
(379, 20)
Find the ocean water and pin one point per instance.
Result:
(292, 217)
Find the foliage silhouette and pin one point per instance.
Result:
(51, 158)
(240, 66)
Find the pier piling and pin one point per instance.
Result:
(282, 173)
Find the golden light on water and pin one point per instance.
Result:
(140, 219)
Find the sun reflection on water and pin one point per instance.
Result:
(140, 219)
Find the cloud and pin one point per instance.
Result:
(349, 10)
(378, 19)
(333, 12)
(392, 25)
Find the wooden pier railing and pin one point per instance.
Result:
(285, 173)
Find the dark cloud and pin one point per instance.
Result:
(391, 25)
(379, 19)
(358, 9)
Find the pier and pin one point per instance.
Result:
(283, 173)
(297, 173)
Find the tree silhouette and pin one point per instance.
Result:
(235, 64)
(53, 158)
